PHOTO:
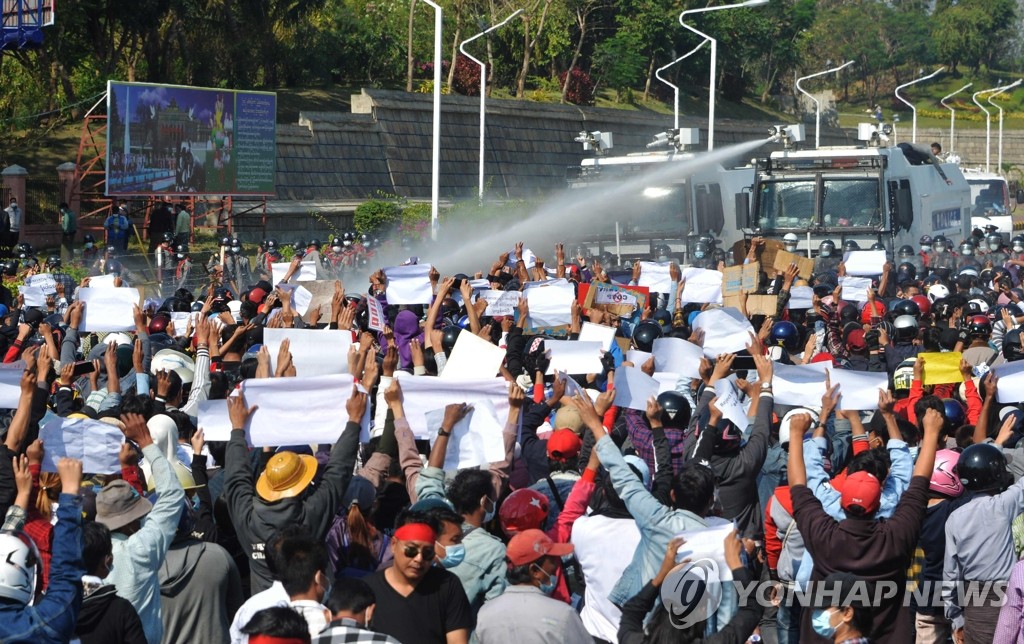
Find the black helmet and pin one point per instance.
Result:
(878, 246)
(906, 272)
(850, 244)
(1012, 347)
(112, 267)
(167, 237)
(906, 250)
(826, 248)
(926, 240)
(662, 250)
(347, 237)
(954, 413)
(88, 239)
(905, 307)
(979, 326)
(967, 247)
(10, 267)
(225, 241)
(994, 241)
(645, 334)
(607, 259)
(181, 252)
(1017, 243)
(53, 261)
(982, 468)
(315, 243)
(675, 410)
(335, 243)
(25, 247)
(449, 336)
(708, 239)
(663, 318)
(700, 250)
(299, 246)
(940, 240)
(270, 245)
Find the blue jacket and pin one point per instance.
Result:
(53, 618)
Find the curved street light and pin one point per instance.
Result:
(817, 103)
(435, 153)
(675, 88)
(999, 162)
(913, 110)
(952, 114)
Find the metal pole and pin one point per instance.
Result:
(817, 103)
(999, 163)
(952, 114)
(913, 110)
(483, 94)
(714, 57)
(675, 88)
(435, 161)
(988, 126)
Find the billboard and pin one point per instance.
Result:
(173, 140)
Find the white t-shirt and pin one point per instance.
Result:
(594, 537)
(273, 596)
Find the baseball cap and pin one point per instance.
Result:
(855, 340)
(530, 545)
(564, 444)
(862, 490)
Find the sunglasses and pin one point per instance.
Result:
(427, 552)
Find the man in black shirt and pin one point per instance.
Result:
(417, 601)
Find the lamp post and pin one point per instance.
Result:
(952, 114)
(988, 125)
(675, 88)
(913, 110)
(483, 93)
(999, 163)
(435, 153)
(817, 103)
(714, 58)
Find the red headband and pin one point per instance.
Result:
(416, 532)
(270, 639)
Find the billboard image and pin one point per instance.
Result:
(174, 140)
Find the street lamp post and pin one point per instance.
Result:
(913, 110)
(988, 125)
(817, 103)
(999, 163)
(675, 88)
(714, 59)
(435, 161)
(483, 93)
(952, 114)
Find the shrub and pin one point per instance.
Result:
(376, 216)
(581, 87)
(466, 80)
(415, 218)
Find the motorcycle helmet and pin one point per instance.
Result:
(982, 468)
(645, 334)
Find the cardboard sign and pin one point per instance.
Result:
(783, 259)
(756, 304)
(740, 278)
(621, 301)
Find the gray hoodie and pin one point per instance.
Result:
(200, 590)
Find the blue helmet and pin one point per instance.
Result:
(464, 322)
(955, 414)
(785, 334)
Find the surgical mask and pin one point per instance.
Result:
(489, 514)
(549, 587)
(236, 249)
(939, 248)
(89, 246)
(926, 249)
(993, 247)
(453, 555)
(336, 249)
(966, 252)
(1018, 248)
(826, 253)
(348, 243)
(698, 254)
(914, 451)
(790, 247)
(820, 623)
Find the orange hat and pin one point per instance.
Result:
(530, 545)
(862, 490)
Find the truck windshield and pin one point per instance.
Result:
(987, 195)
(800, 204)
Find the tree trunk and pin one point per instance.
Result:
(408, 48)
(650, 78)
(581, 20)
(527, 48)
(490, 55)
(455, 43)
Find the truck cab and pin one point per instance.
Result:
(990, 201)
(867, 194)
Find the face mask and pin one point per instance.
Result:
(549, 587)
(939, 248)
(88, 246)
(1017, 248)
(336, 249)
(453, 555)
(698, 254)
(926, 249)
(966, 252)
(820, 622)
(914, 452)
(790, 247)
(826, 253)
(195, 503)
(489, 514)
(993, 247)
(348, 243)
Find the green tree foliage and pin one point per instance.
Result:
(377, 216)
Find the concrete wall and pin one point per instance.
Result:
(970, 145)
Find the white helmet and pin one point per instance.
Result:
(19, 566)
(937, 292)
(790, 241)
(784, 424)
(982, 304)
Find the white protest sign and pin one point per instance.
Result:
(409, 284)
(633, 388)
(703, 286)
(473, 357)
(108, 309)
(1011, 381)
(799, 385)
(550, 304)
(707, 543)
(859, 389)
(44, 281)
(301, 299)
(500, 302)
(214, 420)
(476, 440)
(614, 296)
(638, 357)
(102, 281)
(180, 321)
(666, 381)
(529, 259)
(33, 295)
(375, 314)
(591, 332)
(864, 262)
(800, 297)
(678, 356)
(574, 357)
(306, 272)
(94, 443)
(725, 331)
(572, 388)
(656, 276)
(299, 411)
(424, 394)
(315, 352)
(728, 402)
(855, 289)
(10, 384)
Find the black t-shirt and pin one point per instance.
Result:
(435, 608)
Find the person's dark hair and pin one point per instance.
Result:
(932, 339)
(965, 436)
(185, 426)
(519, 575)
(444, 515)
(661, 630)
(248, 311)
(278, 621)
(908, 430)
(923, 405)
(863, 620)
(132, 403)
(875, 462)
(350, 595)
(272, 548)
(414, 516)
(96, 545)
(694, 488)
(467, 488)
(302, 558)
(226, 332)
(937, 145)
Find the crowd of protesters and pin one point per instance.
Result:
(581, 532)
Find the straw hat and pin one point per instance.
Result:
(286, 475)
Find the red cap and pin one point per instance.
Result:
(824, 357)
(522, 510)
(257, 295)
(564, 444)
(855, 340)
(530, 545)
(862, 489)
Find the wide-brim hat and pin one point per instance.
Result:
(118, 504)
(287, 474)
